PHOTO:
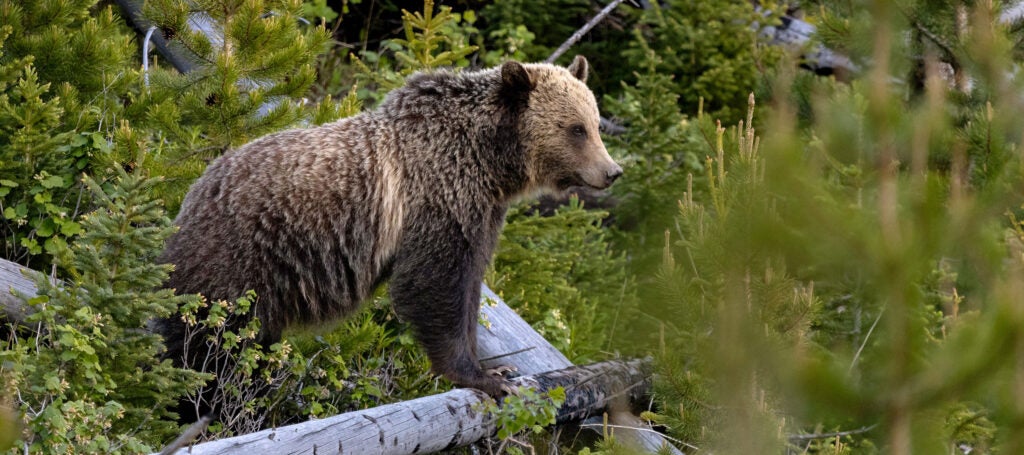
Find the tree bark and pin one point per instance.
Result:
(13, 282)
(511, 341)
(437, 422)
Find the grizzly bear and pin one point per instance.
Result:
(413, 192)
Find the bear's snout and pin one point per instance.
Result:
(603, 171)
(613, 175)
(601, 177)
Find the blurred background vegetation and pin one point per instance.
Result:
(818, 263)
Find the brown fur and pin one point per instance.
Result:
(415, 191)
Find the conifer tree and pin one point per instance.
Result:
(87, 374)
(254, 64)
(911, 339)
(709, 47)
(64, 82)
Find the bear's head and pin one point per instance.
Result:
(559, 125)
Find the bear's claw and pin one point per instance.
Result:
(510, 389)
(500, 371)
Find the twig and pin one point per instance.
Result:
(187, 436)
(508, 354)
(582, 31)
(670, 438)
(807, 437)
(856, 356)
(946, 47)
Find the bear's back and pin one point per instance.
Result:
(296, 217)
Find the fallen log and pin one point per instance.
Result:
(509, 340)
(14, 282)
(437, 422)
(506, 340)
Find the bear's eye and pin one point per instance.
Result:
(578, 131)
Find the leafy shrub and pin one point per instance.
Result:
(529, 410)
(84, 370)
(432, 40)
(531, 31)
(64, 77)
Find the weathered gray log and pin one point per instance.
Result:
(13, 282)
(437, 422)
(508, 340)
(795, 35)
(511, 341)
(177, 57)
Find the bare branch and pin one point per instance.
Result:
(808, 437)
(582, 31)
(188, 436)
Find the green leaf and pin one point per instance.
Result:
(70, 228)
(8, 183)
(78, 140)
(557, 395)
(32, 245)
(100, 143)
(52, 382)
(55, 245)
(53, 181)
(373, 391)
(46, 228)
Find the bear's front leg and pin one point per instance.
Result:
(435, 286)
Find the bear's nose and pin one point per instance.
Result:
(613, 175)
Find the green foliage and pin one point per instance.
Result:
(432, 39)
(780, 305)
(86, 374)
(253, 66)
(368, 360)
(424, 34)
(709, 297)
(528, 410)
(521, 18)
(318, 9)
(660, 151)
(68, 43)
(242, 375)
(64, 80)
(530, 31)
(560, 274)
(709, 47)
(71, 103)
(860, 272)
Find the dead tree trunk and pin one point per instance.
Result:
(508, 341)
(13, 282)
(511, 341)
(437, 422)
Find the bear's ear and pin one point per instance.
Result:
(515, 79)
(579, 68)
